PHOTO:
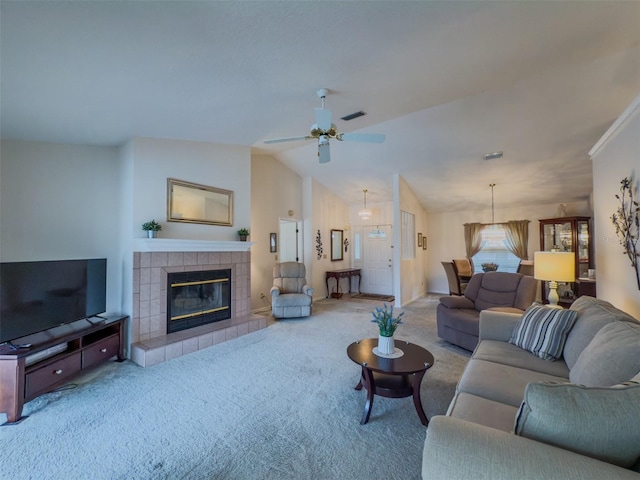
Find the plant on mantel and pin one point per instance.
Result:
(243, 233)
(151, 226)
(626, 220)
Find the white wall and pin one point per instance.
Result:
(275, 190)
(615, 157)
(211, 164)
(125, 164)
(411, 280)
(326, 212)
(62, 202)
(446, 233)
(68, 201)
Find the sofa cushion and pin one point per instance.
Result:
(470, 407)
(543, 331)
(593, 314)
(456, 449)
(613, 356)
(509, 354)
(501, 383)
(598, 422)
(463, 320)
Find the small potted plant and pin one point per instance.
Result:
(387, 325)
(152, 228)
(243, 233)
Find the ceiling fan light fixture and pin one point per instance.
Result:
(323, 130)
(365, 213)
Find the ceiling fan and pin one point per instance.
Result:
(323, 130)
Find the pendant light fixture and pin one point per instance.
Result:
(365, 213)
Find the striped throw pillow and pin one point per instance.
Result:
(543, 330)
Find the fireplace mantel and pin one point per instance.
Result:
(153, 261)
(183, 245)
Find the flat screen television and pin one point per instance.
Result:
(36, 296)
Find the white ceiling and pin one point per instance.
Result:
(446, 81)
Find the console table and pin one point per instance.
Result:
(344, 273)
(53, 357)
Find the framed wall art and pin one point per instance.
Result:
(194, 203)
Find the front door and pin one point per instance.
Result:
(377, 255)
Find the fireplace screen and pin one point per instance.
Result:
(198, 298)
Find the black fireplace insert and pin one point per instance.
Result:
(197, 298)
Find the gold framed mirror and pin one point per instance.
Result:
(336, 245)
(194, 203)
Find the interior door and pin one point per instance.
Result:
(290, 250)
(377, 260)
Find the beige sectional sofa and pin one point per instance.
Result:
(516, 415)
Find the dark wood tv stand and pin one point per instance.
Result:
(88, 342)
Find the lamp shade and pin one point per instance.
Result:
(554, 266)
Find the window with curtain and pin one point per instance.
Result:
(494, 250)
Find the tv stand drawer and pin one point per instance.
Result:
(45, 378)
(86, 344)
(100, 351)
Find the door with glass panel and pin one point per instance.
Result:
(377, 263)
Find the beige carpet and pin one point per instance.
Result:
(275, 404)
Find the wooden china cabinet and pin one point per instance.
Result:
(570, 234)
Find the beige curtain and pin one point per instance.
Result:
(517, 241)
(472, 238)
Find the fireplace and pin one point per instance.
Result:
(197, 298)
(153, 261)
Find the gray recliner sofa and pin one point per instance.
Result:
(516, 415)
(458, 318)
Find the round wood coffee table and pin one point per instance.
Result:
(391, 377)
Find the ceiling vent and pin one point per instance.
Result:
(492, 156)
(351, 116)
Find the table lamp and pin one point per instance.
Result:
(554, 267)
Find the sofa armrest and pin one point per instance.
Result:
(497, 325)
(457, 449)
(308, 289)
(275, 291)
(455, 301)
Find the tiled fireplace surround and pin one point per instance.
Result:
(152, 260)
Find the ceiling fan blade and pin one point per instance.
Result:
(323, 119)
(323, 153)
(361, 137)
(288, 139)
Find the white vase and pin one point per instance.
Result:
(385, 345)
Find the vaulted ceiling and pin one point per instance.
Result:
(445, 81)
